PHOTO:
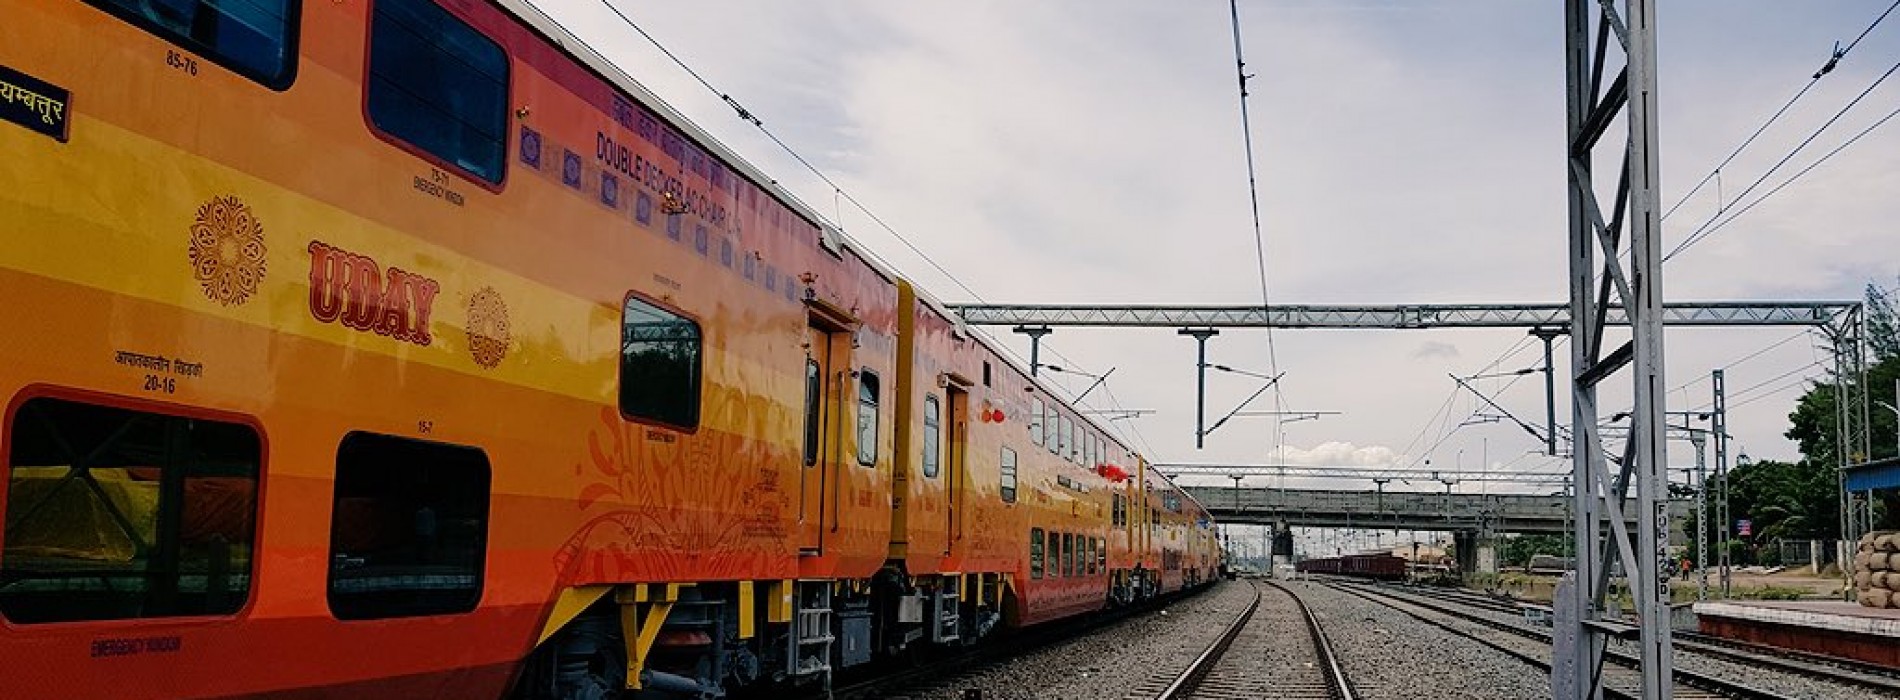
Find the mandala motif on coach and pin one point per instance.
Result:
(227, 250)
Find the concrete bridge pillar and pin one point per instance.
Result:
(1477, 551)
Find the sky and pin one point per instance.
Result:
(1088, 152)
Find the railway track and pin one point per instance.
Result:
(1510, 639)
(1885, 682)
(952, 670)
(1255, 658)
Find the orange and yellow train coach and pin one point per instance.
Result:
(408, 348)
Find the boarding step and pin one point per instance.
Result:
(946, 609)
(810, 651)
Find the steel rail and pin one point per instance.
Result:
(1335, 676)
(1686, 677)
(1198, 669)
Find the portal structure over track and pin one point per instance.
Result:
(1393, 316)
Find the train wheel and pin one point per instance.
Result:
(586, 661)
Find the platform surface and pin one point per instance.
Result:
(1836, 615)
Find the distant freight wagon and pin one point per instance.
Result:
(1384, 567)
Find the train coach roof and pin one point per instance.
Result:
(833, 237)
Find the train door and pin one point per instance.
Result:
(822, 418)
(957, 447)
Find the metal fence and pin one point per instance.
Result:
(1811, 554)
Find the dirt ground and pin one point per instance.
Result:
(1741, 585)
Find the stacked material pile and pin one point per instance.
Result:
(1877, 570)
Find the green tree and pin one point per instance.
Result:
(1517, 551)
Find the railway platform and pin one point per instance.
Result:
(1834, 628)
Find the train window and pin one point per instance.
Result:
(1035, 552)
(1064, 435)
(1101, 555)
(1049, 427)
(933, 427)
(114, 513)
(1035, 421)
(438, 85)
(659, 366)
(408, 528)
(813, 384)
(1087, 565)
(255, 38)
(1088, 449)
(1115, 513)
(867, 418)
(1008, 480)
(1068, 554)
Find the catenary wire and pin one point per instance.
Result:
(1834, 60)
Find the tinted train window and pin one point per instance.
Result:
(1064, 434)
(1035, 552)
(933, 428)
(115, 514)
(439, 85)
(1049, 427)
(255, 38)
(659, 367)
(408, 528)
(812, 388)
(1068, 554)
(867, 418)
(1008, 481)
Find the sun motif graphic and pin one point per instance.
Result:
(488, 337)
(227, 250)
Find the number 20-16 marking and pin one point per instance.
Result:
(167, 385)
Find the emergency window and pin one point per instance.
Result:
(408, 528)
(1008, 481)
(439, 85)
(867, 418)
(254, 38)
(1035, 552)
(660, 365)
(933, 428)
(115, 514)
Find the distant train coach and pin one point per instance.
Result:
(1384, 567)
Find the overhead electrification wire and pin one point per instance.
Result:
(1750, 356)
(1259, 237)
(838, 191)
(1785, 183)
(755, 121)
(1710, 226)
(1834, 59)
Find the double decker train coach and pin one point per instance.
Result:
(408, 348)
